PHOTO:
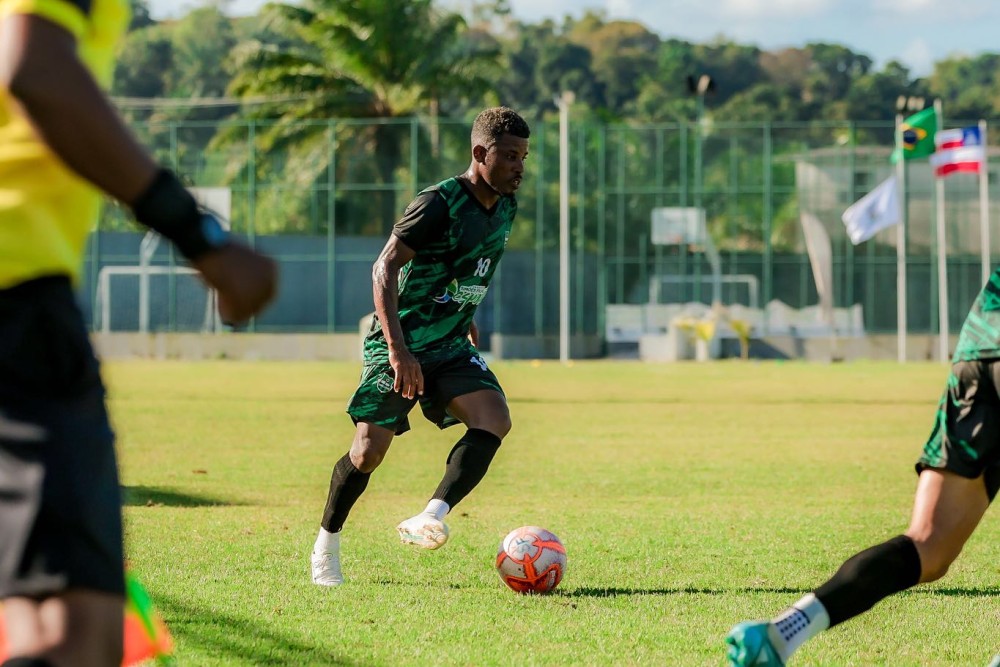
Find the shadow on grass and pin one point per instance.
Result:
(388, 581)
(585, 592)
(748, 400)
(977, 592)
(238, 640)
(139, 496)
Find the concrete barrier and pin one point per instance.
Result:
(193, 346)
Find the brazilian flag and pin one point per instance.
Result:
(918, 136)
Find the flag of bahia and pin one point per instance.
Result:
(958, 150)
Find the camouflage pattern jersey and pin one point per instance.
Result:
(980, 335)
(458, 244)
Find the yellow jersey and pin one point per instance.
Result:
(46, 211)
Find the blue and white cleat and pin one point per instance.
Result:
(748, 644)
(995, 662)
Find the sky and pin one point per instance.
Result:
(914, 32)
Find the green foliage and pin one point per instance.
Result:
(140, 15)
(200, 65)
(969, 85)
(145, 64)
(689, 497)
(348, 108)
(325, 59)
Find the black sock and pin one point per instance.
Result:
(26, 662)
(467, 465)
(346, 485)
(870, 576)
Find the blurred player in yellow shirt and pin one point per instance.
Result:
(61, 144)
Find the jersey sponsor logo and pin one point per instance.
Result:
(478, 361)
(463, 295)
(384, 383)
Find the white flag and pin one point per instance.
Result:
(874, 212)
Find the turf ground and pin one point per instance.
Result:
(689, 497)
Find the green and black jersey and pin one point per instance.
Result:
(980, 335)
(458, 244)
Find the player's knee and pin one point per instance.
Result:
(93, 645)
(366, 459)
(934, 567)
(935, 559)
(933, 571)
(499, 425)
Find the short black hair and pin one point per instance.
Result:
(494, 122)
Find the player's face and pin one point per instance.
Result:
(504, 164)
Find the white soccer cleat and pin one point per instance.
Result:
(425, 530)
(326, 569)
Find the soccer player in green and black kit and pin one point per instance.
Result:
(428, 280)
(959, 475)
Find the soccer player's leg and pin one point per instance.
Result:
(959, 476)
(959, 468)
(750, 643)
(461, 390)
(379, 414)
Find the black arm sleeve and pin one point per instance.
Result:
(424, 221)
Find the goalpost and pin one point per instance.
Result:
(219, 201)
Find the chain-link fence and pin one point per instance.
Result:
(321, 196)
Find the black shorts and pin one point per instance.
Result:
(965, 439)
(375, 402)
(60, 504)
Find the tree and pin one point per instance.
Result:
(200, 67)
(144, 64)
(969, 87)
(872, 96)
(378, 59)
(834, 68)
(664, 96)
(623, 54)
(140, 15)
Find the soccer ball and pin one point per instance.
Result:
(531, 560)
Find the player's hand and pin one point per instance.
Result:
(245, 280)
(409, 380)
(474, 334)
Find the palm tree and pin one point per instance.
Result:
(378, 59)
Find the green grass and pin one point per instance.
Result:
(689, 497)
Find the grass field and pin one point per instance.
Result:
(689, 497)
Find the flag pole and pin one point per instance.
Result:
(984, 205)
(942, 256)
(901, 247)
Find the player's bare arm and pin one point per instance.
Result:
(409, 380)
(40, 68)
(474, 334)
